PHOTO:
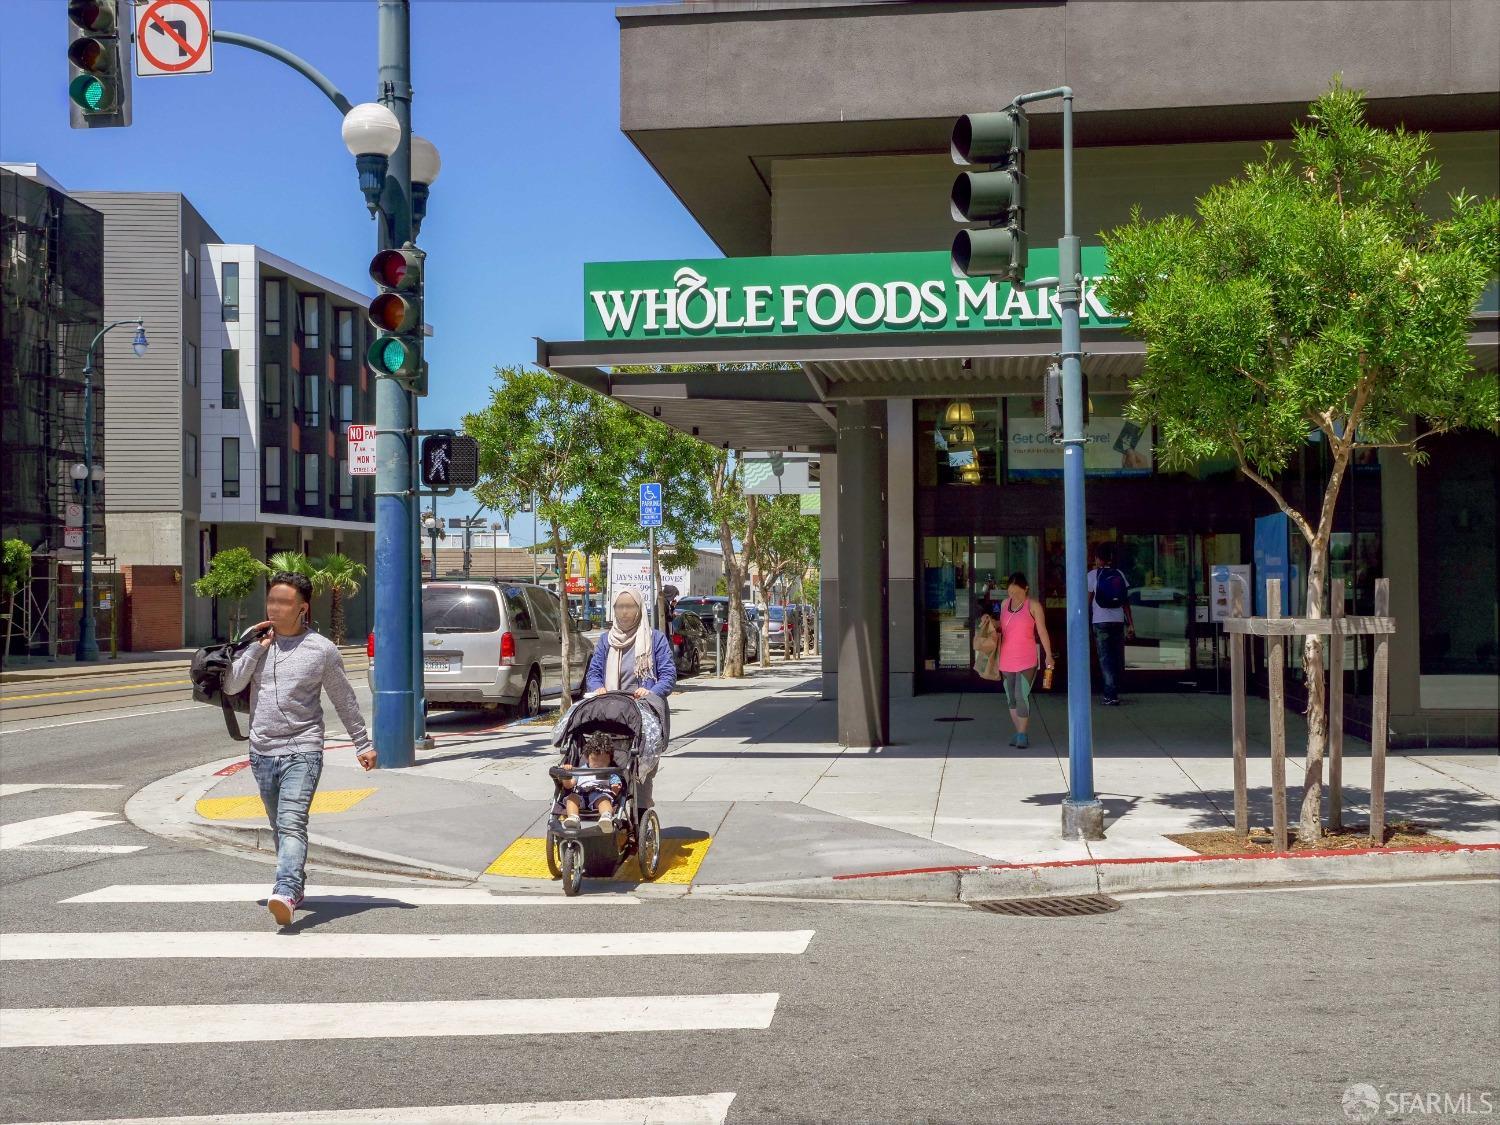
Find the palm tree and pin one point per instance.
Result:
(292, 562)
(339, 575)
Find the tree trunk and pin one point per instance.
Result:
(564, 632)
(764, 624)
(10, 616)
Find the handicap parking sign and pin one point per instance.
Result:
(651, 505)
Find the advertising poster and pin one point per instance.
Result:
(1116, 448)
(1272, 561)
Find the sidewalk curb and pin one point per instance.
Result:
(1125, 876)
(167, 808)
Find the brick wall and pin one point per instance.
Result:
(153, 608)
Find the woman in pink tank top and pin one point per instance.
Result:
(1021, 623)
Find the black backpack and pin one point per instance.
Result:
(1110, 588)
(210, 668)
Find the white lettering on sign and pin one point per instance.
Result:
(361, 450)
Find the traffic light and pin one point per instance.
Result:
(450, 461)
(996, 197)
(396, 314)
(1052, 395)
(98, 65)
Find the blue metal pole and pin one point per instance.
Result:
(395, 701)
(1083, 815)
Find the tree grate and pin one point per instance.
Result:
(1060, 906)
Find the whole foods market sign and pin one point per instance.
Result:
(821, 294)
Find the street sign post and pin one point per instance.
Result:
(361, 450)
(72, 515)
(173, 37)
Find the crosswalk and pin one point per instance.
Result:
(514, 928)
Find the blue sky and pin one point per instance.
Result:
(522, 100)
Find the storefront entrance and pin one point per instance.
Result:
(1177, 645)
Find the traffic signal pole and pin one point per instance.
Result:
(1082, 812)
(397, 640)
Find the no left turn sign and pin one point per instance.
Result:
(173, 37)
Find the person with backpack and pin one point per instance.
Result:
(287, 670)
(1109, 612)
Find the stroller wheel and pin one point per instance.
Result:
(572, 867)
(554, 864)
(648, 849)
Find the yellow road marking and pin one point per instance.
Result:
(680, 860)
(251, 808)
(95, 691)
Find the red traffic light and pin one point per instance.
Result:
(93, 15)
(396, 269)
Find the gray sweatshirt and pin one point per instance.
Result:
(287, 679)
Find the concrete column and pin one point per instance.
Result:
(901, 530)
(828, 649)
(864, 666)
(1398, 546)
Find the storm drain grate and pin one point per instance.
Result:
(954, 719)
(1061, 906)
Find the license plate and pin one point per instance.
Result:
(434, 664)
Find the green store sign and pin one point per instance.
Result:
(822, 294)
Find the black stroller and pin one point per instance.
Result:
(598, 846)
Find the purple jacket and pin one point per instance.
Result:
(661, 656)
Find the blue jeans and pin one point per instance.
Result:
(287, 784)
(1109, 638)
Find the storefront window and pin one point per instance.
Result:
(1116, 448)
(958, 441)
(1156, 569)
(946, 602)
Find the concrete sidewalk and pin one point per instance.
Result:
(753, 790)
(20, 671)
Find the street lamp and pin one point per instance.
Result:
(425, 166)
(371, 134)
(87, 648)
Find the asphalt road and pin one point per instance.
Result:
(1239, 1007)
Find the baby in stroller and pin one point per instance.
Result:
(593, 792)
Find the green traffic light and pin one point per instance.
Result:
(90, 93)
(393, 355)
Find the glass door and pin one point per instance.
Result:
(1156, 569)
(961, 575)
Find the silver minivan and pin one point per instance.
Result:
(494, 645)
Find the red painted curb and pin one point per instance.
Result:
(1318, 853)
(234, 767)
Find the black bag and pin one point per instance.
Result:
(210, 668)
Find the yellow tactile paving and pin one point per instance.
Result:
(680, 860)
(251, 808)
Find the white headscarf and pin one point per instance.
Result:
(637, 640)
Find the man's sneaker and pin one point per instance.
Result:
(1111, 703)
(1021, 742)
(282, 907)
(1012, 741)
(570, 823)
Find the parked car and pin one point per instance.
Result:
(493, 645)
(713, 611)
(781, 628)
(691, 643)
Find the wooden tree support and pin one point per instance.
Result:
(1276, 629)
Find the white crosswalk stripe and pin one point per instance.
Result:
(697, 1109)
(118, 946)
(393, 894)
(28, 833)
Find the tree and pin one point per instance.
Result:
(785, 543)
(339, 575)
(1310, 296)
(231, 574)
(15, 573)
(550, 438)
(684, 467)
(291, 562)
(733, 518)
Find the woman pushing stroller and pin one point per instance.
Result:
(632, 656)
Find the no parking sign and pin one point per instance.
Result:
(173, 37)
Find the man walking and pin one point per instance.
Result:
(1109, 611)
(288, 670)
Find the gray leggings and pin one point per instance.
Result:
(1018, 691)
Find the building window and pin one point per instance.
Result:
(345, 497)
(958, 441)
(346, 405)
(271, 475)
(270, 389)
(190, 453)
(189, 273)
(311, 400)
(309, 496)
(229, 290)
(190, 363)
(307, 320)
(272, 301)
(231, 467)
(346, 333)
(230, 374)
